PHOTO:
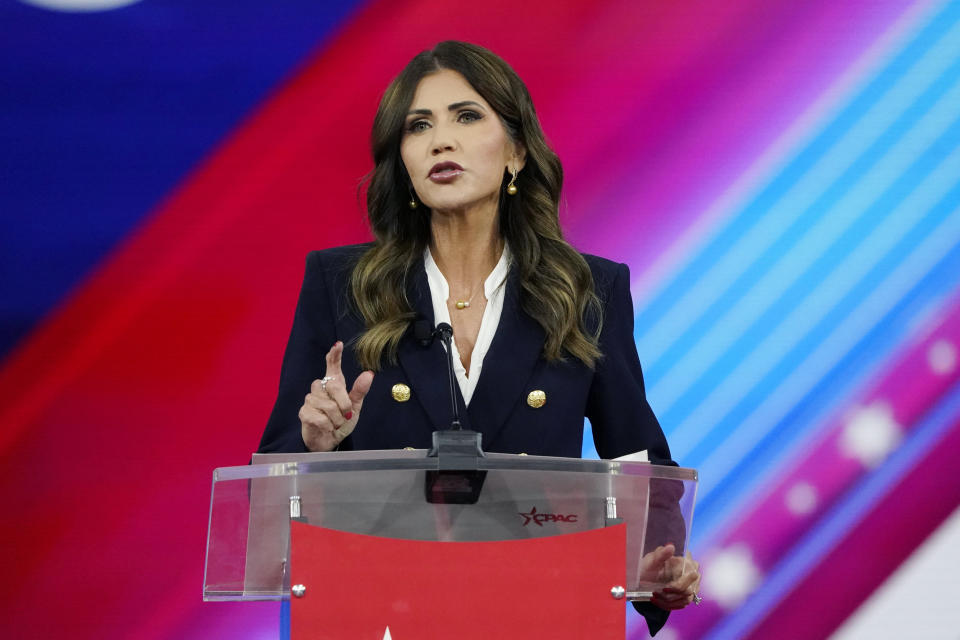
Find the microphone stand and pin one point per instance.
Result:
(458, 478)
(445, 331)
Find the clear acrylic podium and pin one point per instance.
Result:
(382, 493)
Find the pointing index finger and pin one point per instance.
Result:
(334, 358)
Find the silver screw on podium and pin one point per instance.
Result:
(298, 590)
(618, 592)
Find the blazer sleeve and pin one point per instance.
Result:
(620, 415)
(312, 335)
(617, 406)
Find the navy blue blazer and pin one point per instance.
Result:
(611, 396)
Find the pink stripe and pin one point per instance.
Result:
(869, 554)
(909, 387)
(696, 119)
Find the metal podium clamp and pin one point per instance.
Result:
(610, 514)
(296, 510)
(610, 519)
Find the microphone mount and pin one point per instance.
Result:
(458, 478)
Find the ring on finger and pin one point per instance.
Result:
(323, 382)
(697, 599)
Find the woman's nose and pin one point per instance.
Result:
(440, 147)
(442, 141)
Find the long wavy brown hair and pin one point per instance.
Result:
(557, 287)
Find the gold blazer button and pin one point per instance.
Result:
(400, 392)
(536, 398)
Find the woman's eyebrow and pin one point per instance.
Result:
(463, 103)
(452, 107)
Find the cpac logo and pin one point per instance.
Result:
(540, 518)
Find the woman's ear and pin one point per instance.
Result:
(519, 159)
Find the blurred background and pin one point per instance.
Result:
(782, 177)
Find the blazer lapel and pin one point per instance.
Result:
(426, 367)
(508, 365)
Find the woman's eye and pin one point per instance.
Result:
(417, 126)
(468, 116)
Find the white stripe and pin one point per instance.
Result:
(724, 457)
(925, 584)
(733, 322)
(654, 281)
(792, 204)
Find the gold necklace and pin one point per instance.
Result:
(465, 304)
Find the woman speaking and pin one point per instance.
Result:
(463, 204)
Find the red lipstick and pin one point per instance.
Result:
(445, 172)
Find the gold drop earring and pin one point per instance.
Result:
(413, 199)
(512, 187)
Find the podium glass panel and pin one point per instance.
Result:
(383, 493)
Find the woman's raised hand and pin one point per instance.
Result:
(329, 413)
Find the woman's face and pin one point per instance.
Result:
(454, 146)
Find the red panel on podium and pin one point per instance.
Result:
(361, 587)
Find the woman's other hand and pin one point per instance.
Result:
(329, 413)
(681, 575)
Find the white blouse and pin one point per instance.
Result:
(493, 291)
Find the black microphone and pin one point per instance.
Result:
(445, 333)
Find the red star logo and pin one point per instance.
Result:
(530, 517)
